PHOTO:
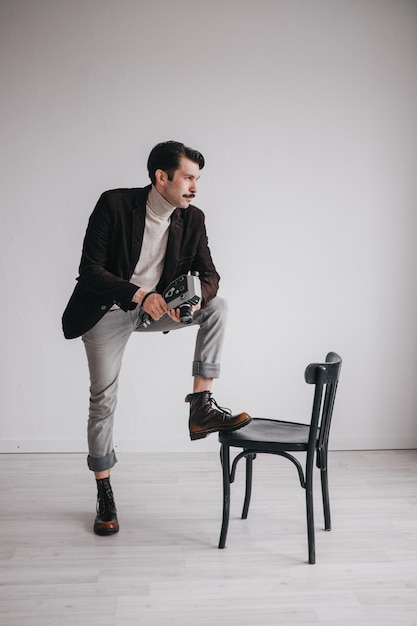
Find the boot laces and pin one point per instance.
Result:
(105, 499)
(226, 412)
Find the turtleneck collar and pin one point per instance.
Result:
(158, 205)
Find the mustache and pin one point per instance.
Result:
(189, 195)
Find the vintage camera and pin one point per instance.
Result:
(183, 293)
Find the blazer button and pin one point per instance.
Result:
(103, 307)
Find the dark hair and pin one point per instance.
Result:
(166, 156)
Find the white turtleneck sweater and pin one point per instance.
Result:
(149, 268)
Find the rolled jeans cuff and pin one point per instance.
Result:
(206, 370)
(102, 463)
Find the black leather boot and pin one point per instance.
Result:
(106, 521)
(206, 416)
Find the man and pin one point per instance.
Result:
(138, 241)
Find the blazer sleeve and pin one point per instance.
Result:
(203, 263)
(104, 265)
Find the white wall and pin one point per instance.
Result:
(306, 113)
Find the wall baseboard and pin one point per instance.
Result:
(177, 445)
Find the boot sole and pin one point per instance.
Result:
(201, 434)
(104, 532)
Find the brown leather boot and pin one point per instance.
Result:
(106, 521)
(206, 416)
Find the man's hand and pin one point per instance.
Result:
(174, 314)
(155, 306)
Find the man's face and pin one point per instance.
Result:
(181, 190)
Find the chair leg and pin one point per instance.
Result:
(248, 489)
(225, 459)
(326, 500)
(310, 519)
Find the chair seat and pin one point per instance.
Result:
(268, 435)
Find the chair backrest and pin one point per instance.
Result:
(325, 377)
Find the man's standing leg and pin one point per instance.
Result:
(105, 344)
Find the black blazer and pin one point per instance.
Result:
(111, 250)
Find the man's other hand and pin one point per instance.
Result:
(174, 314)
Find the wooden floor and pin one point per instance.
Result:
(164, 568)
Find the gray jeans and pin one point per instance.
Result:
(105, 344)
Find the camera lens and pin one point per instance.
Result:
(186, 316)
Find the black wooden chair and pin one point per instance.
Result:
(281, 438)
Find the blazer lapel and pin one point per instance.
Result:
(173, 248)
(138, 227)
